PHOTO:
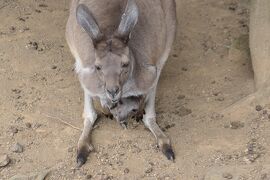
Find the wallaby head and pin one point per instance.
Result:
(114, 61)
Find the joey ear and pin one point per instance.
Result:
(128, 21)
(88, 22)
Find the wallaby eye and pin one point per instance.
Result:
(125, 65)
(98, 67)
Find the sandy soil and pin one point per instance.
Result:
(209, 70)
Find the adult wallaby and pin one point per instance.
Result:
(120, 47)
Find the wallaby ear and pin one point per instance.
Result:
(128, 21)
(87, 21)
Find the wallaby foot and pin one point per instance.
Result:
(168, 152)
(83, 151)
(163, 142)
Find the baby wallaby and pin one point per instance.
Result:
(127, 108)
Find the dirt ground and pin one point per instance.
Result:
(209, 70)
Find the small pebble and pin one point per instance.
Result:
(236, 125)
(17, 148)
(216, 93)
(4, 160)
(70, 149)
(184, 69)
(43, 5)
(181, 97)
(221, 99)
(126, 171)
(258, 108)
(13, 130)
(21, 19)
(28, 125)
(148, 170)
(54, 67)
(89, 176)
(264, 177)
(32, 45)
(251, 158)
(12, 29)
(227, 176)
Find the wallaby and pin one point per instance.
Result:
(120, 47)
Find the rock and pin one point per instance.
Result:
(253, 151)
(54, 67)
(28, 125)
(184, 69)
(258, 108)
(216, 93)
(21, 19)
(70, 149)
(236, 125)
(12, 29)
(181, 97)
(168, 126)
(220, 99)
(89, 176)
(13, 130)
(182, 111)
(17, 148)
(233, 7)
(43, 5)
(4, 160)
(264, 176)
(149, 170)
(126, 171)
(251, 158)
(32, 45)
(227, 176)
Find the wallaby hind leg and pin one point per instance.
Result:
(84, 144)
(149, 120)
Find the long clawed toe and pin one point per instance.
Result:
(168, 152)
(82, 155)
(81, 159)
(124, 125)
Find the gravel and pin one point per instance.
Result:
(227, 176)
(4, 160)
(17, 148)
(258, 108)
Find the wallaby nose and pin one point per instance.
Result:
(113, 91)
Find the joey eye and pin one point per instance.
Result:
(125, 65)
(98, 67)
